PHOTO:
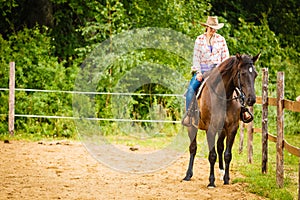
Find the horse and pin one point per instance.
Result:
(224, 97)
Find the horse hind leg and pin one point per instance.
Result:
(228, 157)
(193, 149)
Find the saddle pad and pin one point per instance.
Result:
(201, 88)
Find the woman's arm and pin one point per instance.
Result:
(196, 57)
(225, 51)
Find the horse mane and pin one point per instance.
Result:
(230, 65)
(227, 65)
(227, 69)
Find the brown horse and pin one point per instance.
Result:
(220, 110)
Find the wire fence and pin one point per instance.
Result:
(93, 93)
(97, 93)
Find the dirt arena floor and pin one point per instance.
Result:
(65, 170)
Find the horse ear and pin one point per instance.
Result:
(255, 58)
(238, 56)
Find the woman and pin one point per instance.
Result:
(209, 51)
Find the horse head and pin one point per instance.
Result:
(246, 75)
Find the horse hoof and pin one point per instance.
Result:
(211, 186)
(226, 181)
(187, 178)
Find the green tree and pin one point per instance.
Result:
(282, 16)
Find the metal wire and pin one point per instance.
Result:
(97, 119)
(97, 93)
(80, 92)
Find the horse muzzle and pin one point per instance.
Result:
(250, 101)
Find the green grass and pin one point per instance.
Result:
(265, 184)
(21, 135)
(33, 138)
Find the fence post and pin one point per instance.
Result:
(264, 139)
(280, 134)
(11, 104)
(242, 131)
(250, 139)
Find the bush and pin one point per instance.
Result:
(36, 68)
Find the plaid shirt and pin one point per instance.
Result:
(203, 58)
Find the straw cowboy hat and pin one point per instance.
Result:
(212, 21)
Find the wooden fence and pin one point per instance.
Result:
(281, 144)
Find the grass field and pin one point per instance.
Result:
(265, 184)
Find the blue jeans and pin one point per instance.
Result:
(194, 85)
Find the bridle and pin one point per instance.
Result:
(241, 96)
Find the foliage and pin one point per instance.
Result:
(282, 16)
(49, 56)
(36, 68)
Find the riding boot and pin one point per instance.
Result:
(191, 117)
(186, 120)
(190, 121)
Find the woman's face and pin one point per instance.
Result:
(210, 30)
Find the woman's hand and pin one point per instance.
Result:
(199, 76)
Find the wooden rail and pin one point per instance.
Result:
(287, 104)
(291, 149)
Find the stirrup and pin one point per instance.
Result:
(245, 111)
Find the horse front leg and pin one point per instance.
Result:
(193, 150)
(228, 157)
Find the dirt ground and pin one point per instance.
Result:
(65, 170)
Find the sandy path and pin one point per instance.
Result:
(29, 170)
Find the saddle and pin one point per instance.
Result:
(192, 115)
